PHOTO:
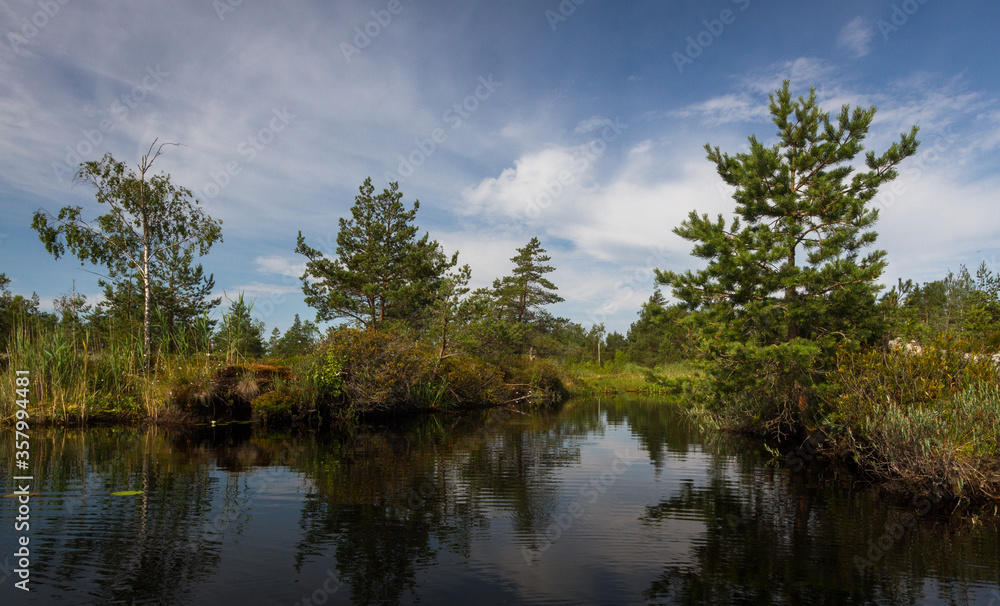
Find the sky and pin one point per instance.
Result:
(580, 122)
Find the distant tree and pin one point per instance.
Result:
(382, 270)
(959, 304)
(523, 294)
(613, 343)
(72, 310)
(272, 343)
(149, 220)
(449, 305)
(239, 334)
(982, 319)
(17, 310)
(183, 293)
(297, 340)
(484, 331)
(6, 317)
(661, 334)
(789, 276)
(595, 341)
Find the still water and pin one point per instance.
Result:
(612, 501)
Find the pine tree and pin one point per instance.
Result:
(296, 341)
(790, 275)
(382, 270)
(240, 334)
(179, 296)
(660, 334)
(523, 294)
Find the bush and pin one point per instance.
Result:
(930, 417)
(906, 379)
(288, 402)
(537, 380)
(771, 389)
(461, 381)
(227, 392)
(379, 369)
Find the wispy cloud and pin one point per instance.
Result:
(276, 264)
(530, 161)
(856, 37)
(725, 109)
(801, 72)
(590, 124)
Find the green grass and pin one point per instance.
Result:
(627, 377)
(71, 382)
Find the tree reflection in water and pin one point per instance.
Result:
(413, 511)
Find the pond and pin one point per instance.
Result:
(603, 501)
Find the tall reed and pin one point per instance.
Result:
(73, 380)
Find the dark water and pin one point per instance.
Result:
(605, 502)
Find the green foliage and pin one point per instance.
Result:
(378, 368)
(508, 320)
(240, 335)
(789, 278)
(464, 381)
(929, 417)
(521, 295)
(960, 304)
(359, 372)
(767, 388)
(615, 343)
(486, 336)
(297, 340)
(661, 335)
(327, 373)
(382, 271)
(535, 380)
(907, 379)
(150, 233)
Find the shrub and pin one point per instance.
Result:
(930, 417)
(288, 402)
(905, 379)
(537, 380)
(379, 369)
(464, 381)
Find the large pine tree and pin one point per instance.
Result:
(382, 270)
(523, 294)
(794, 272)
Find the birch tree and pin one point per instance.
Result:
(148, 222)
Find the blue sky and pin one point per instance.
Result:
(581, 122)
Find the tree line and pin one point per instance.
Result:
(791, 282)
(148, 241)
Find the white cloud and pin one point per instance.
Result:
(276, 264)
(535, 182)
(725, 109)
(935, 222)
(626, 212)
(520, 165)
(612, 231)
(856, 37)
(801, 72)
(514, 130)
(590, 124)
